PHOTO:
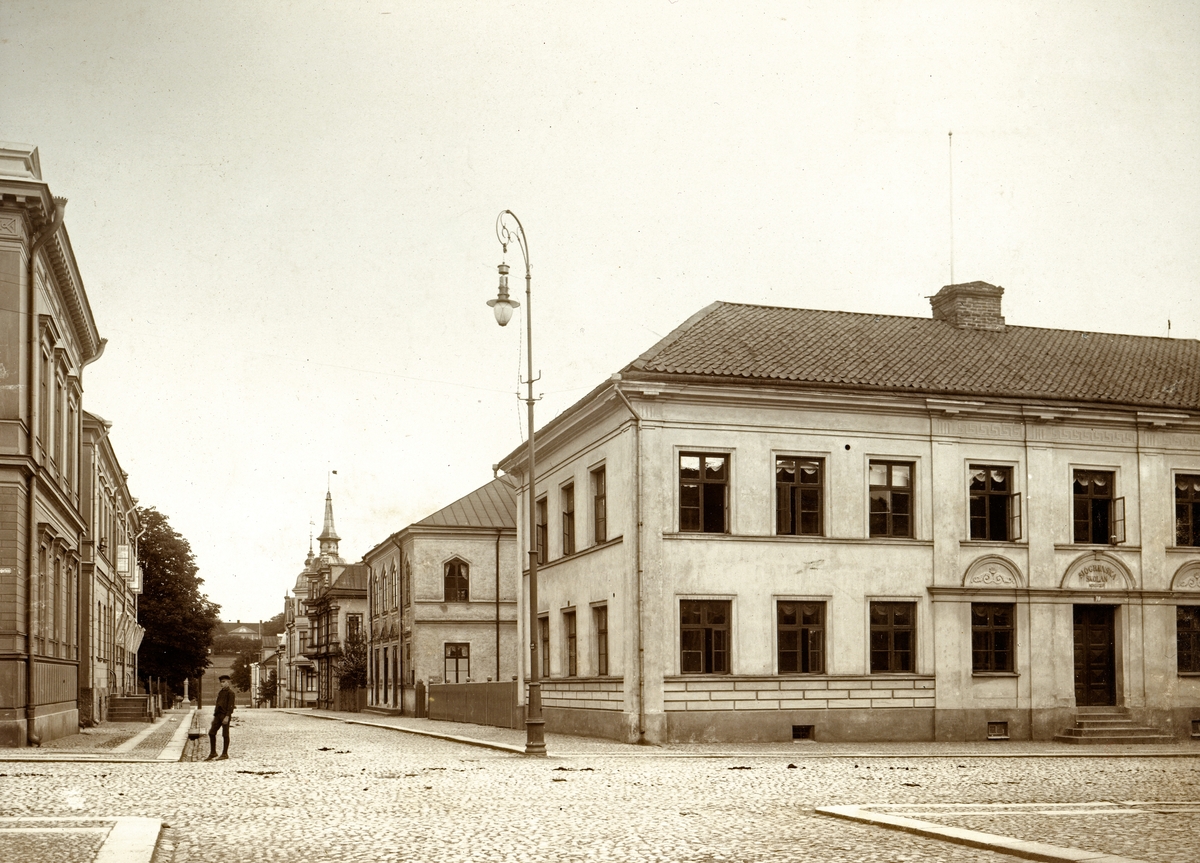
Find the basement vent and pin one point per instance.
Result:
(805, 732)
(1196, 728)
(997, 731)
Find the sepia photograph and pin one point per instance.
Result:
(631, 431)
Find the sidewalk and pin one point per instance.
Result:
(116, 742)
(569, 746)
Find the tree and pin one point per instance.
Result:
(351, 666)
(274, 626)
(268, 689)
(177, 617)
(240, 675)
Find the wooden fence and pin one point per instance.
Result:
(491, 703)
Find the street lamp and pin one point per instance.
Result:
(502, 306)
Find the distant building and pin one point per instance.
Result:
(783, 523)
(111, 577)
(298, 682)
(336, 605)
(47, 337)
(443, 595)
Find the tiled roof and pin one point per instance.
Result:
(922, 355)
(493, 505)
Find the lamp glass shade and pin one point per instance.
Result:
(503, 309)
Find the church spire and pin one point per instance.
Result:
(329, 538)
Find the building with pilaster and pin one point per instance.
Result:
(47, 337)
(785, 523)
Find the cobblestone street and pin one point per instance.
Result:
(302, 788)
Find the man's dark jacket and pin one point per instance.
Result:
(225, 703)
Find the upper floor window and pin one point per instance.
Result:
(599, 505)
(893, 636)
(568, 519)
(1187, 635)
(801, 634)
(891, 498)
(703, 492)
(353, 626)
(995, 510)
(1187, 509)
(540, 534)
(704, 636)
(799, 484)
(1098, 517)
(457, 582)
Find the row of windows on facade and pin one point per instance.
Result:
(59, 414)
(325, 629)
(56, 600)
(705, 630)
(994, 507)
(599, 520)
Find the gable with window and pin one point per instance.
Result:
(703, 492)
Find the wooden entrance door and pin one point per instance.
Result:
(1095, 662)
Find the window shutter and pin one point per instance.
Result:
(1014, 517)
(1118, 525)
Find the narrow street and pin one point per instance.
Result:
(302, 788)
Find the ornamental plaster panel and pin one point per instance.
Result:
(1097, 570)
(8, 226)
(979, 429)
(1187, 577)
(1075, 434)
(992, 570)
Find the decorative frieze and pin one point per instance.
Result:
(978, 429)
(992, 571)
(1187, 577)
(1080, 435)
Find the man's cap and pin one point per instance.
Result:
(223, 677)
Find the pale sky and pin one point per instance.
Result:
(284, 213)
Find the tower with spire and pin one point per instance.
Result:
(329, 538)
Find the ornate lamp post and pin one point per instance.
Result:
(535, 739)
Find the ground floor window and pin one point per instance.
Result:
(801, 636)
(704, 636)
(893, 636)
(1187, 634)
(601, 618)
(544, 628)
(992, 636)
(458, 662)
(572, 643)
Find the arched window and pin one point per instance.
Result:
(457, 582)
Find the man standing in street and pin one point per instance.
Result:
(221, 715)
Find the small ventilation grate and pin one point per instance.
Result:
(997, 731)
(802, 732)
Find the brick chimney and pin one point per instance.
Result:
(969, 306)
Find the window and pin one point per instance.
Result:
(457, 582)
(572, 644)
(310, 680)
(540, 530)
(599, 506)
(1187, 635)
(891, 498)
(703, 479)
(600, 619)
(991, 636)
(893, 636)
(995, 510)
(568, 519)
(544, 630)
(704, 636)
(798, 495)
(1187, 509)
(458, 662)
(801, 634)
(1099, 519)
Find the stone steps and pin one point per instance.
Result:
(129, 709)
(1108, 725)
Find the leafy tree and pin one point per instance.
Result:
(274, 626)
(268, 688)
(177, 617)
(240, 675)
(350, 666)
(231, 644)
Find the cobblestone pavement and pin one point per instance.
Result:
(301, 788)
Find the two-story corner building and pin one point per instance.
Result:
(443, 597)
(782, 523)
(47, 337)
(298, 679)
(336, 607)
(110, 576)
